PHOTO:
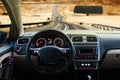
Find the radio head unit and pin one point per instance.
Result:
(86, 53)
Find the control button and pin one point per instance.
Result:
(89, 64)
(81, 56)
(36, 51)
(89, 56)
(78, 64)
(76, 57)
(82, 64)
(86, 64)
(95, 57)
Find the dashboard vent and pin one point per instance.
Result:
(91, 39)
(77, 39)
(23, 41)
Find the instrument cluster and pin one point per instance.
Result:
(44, 41)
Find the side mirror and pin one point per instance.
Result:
(88, 9)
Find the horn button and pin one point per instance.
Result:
(50, 54)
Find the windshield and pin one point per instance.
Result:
(59, 14)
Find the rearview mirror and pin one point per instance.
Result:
(88, 9)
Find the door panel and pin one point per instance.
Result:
(5, 62)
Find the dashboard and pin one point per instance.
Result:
(90, 50)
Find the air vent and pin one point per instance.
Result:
(77, 39)
(91, 39)
(23, 41)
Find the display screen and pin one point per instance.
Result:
(86, 50)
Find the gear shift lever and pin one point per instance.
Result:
(89, 77)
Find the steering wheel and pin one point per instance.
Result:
(50, 59)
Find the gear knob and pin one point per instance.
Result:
(89, 77)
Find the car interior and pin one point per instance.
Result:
(58, 50)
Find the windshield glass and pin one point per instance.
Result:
(59, 14)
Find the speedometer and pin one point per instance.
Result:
(40, 42)
(58, 42)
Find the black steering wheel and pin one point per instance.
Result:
(50, 59)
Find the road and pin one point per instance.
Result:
(58, 26)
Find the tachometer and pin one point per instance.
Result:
(58, 42)
(40, 42)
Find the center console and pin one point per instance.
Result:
(87, 55)
(86, 52)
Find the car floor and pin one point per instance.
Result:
(110, 74)
(33, 76)
(70, 75)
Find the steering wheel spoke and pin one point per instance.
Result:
(50, 67)
(64, 59)
(33, 49)
(64, 50)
